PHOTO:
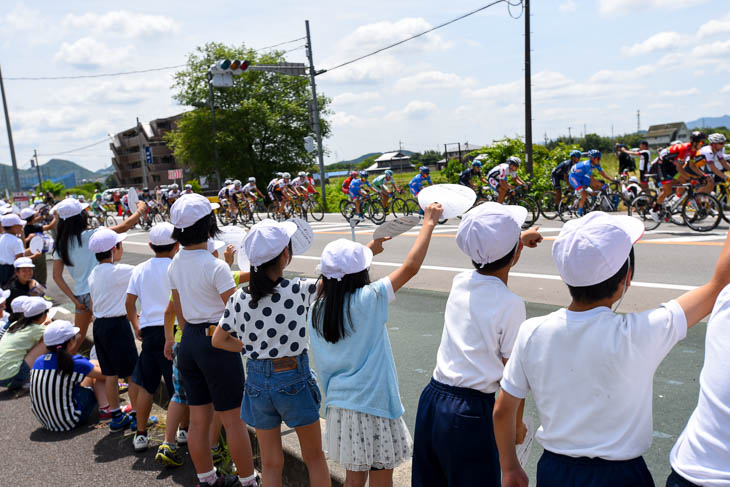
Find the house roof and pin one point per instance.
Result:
(392, 156)
(666, 126)
(661, 133)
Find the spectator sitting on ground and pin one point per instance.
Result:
(5, 319)
(22, 283)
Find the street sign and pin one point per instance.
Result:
(174, 174)
(148, 154)
(292, 69)
(309, 143)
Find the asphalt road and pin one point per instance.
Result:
(669, 262)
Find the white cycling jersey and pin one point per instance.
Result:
(713, 157)
(249, 188)
(501, 172)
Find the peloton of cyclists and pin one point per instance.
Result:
(386, 186)
(475, 171)
(283, 191)
(497, 177)
(581, 177)
(561, 172)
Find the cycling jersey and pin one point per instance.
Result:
(467, 175)
(223, 193)
(249, 189)
(501, 172)
(381, 181)
(297, 183)
(580, 174)
(172, 194)
(416, 184)
(310, 186)
(562, 169)
(346, 185)
(706, 154)
(356, 185)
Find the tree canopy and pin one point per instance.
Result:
(261, 121)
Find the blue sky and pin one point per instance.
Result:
(594, 63)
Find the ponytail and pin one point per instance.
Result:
(65, 360)
(25, 321)
(260, 285)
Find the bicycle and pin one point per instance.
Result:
(518, 196)
(370, 207)
(722, 193)
(396, 205)
(700, 211)
(605, 200)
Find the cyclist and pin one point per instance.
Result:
(385, 185)
(283, 191)
(497, 177)
(475, 171)
(97, 208)
(146, 196)
(188, 189)
(311, 188)
(346, 183)
(250, 190)
(561, 173)
(271, 185)
(581, 177)
(715, 159)
(671, 165)
(300, 184)
(173, 194)
(416, 184)
(359, 188)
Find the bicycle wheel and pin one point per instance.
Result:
(349, 210)
(533, 210)
(702, 212)
(376, 212)
(110, 221)
(548, 208)
(399, 207)
(725, 205)
(411, 207)
(157, 219)
(245, 216)
(568, 208)
(343, 204)
(640, 208)
(316, 210)
(271, 210)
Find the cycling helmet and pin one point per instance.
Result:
(424, 169)
(353, 174)
(388, 172)
(593, 153)
(227, 182)
(252, 180)
(98, 196)
(514, 161)
(279, 174)
(716, 139)
(286, 175)
(302, 174)
(188, 186)
(697, 136)
(309, 174)
(576, 153)
(476, 164)
(237, 183)
(364, 174)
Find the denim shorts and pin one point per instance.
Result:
(291, 396)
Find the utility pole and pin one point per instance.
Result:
(570, 137)
(143, 163)
(585, 131)
(212, 114)
(315, 114)
(37, 168)
(612, 137)
(638, 121)
(528, 93)
(16, 176)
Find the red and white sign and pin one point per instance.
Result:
(174, 174)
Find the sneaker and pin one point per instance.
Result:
(182, 436)
(168, 456)
(224, 481)
(140, 442)
(654, 215)
(127, 408)
(120, 422)
(105, 414)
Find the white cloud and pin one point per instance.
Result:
(122, 23)
(658, 42)
(340, 119)
(349, 98)
(472, 43)
(369, 70)
(712, 49)
(414, 110)
(617, 7)
(20, 19)
(433, 80)
(89, 53)
(714, 27)
(725, 89)
(117, 92)
(680, 93)
(569, 6)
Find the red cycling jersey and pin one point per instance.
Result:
(682, 151)
(346, 185)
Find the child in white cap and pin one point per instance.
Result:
(201, 285)
(149, 284)
(454, 437)
(72, 252)
(23, 343)
(11, 246)
(365, 430)
(590, 370)
(267, 323)
(5, 318)
(113, 338)
(35, 226)
(22, 283)
(64, 389)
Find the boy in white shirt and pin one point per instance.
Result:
(149, 284)
(113, 338)
(11, 246)
(591, 370)
(454, 439)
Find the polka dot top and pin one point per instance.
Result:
(274, 326)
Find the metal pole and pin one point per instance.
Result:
(142, 160)
(528, 93)
(212, 113)
(38, 168)
(16, 176)
(315, 115)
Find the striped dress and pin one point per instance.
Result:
(52, 392)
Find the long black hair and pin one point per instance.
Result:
(328, 311)
(68, 229)
(25, 321)
(199, 232)
(259, 284)
(64, 359)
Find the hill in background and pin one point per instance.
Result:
(358, 160)
(723, 121)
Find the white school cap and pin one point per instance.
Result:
(17, 305)
(593, 248)
(214, 245)
(161, 234)
(21, 262)
(4, 295)
(26, 213)
(5, 210)
(104, 239)
(69, 207)
(490, 231)
(11, 220)
(343, 257)
(267, 239)
(59, 332)
(35, 305)
(188, 209)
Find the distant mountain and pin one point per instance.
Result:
(54, 168)
(723, 121)
(105, 171)
(358, 160)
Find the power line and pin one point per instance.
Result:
(75, 150)
(390, 46)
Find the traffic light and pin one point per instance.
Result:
(226, 66)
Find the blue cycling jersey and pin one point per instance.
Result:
(356, 185)
(416, 183)
(584, 169)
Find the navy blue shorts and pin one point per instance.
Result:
(454, 441)
(19, 379)
(676, 480)
(555, 470)
(210, 374)
(85, 401)
(115, 347)
(152, 365)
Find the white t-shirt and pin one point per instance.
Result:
(644, 158)
(200, 279)
(481, 321)
(108, 288)
(150, 284)
(591, 376)
(10, 246)
(702, 452)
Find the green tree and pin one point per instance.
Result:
(366, 163)
(261, 120)
(195, 184)
(54, 188)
